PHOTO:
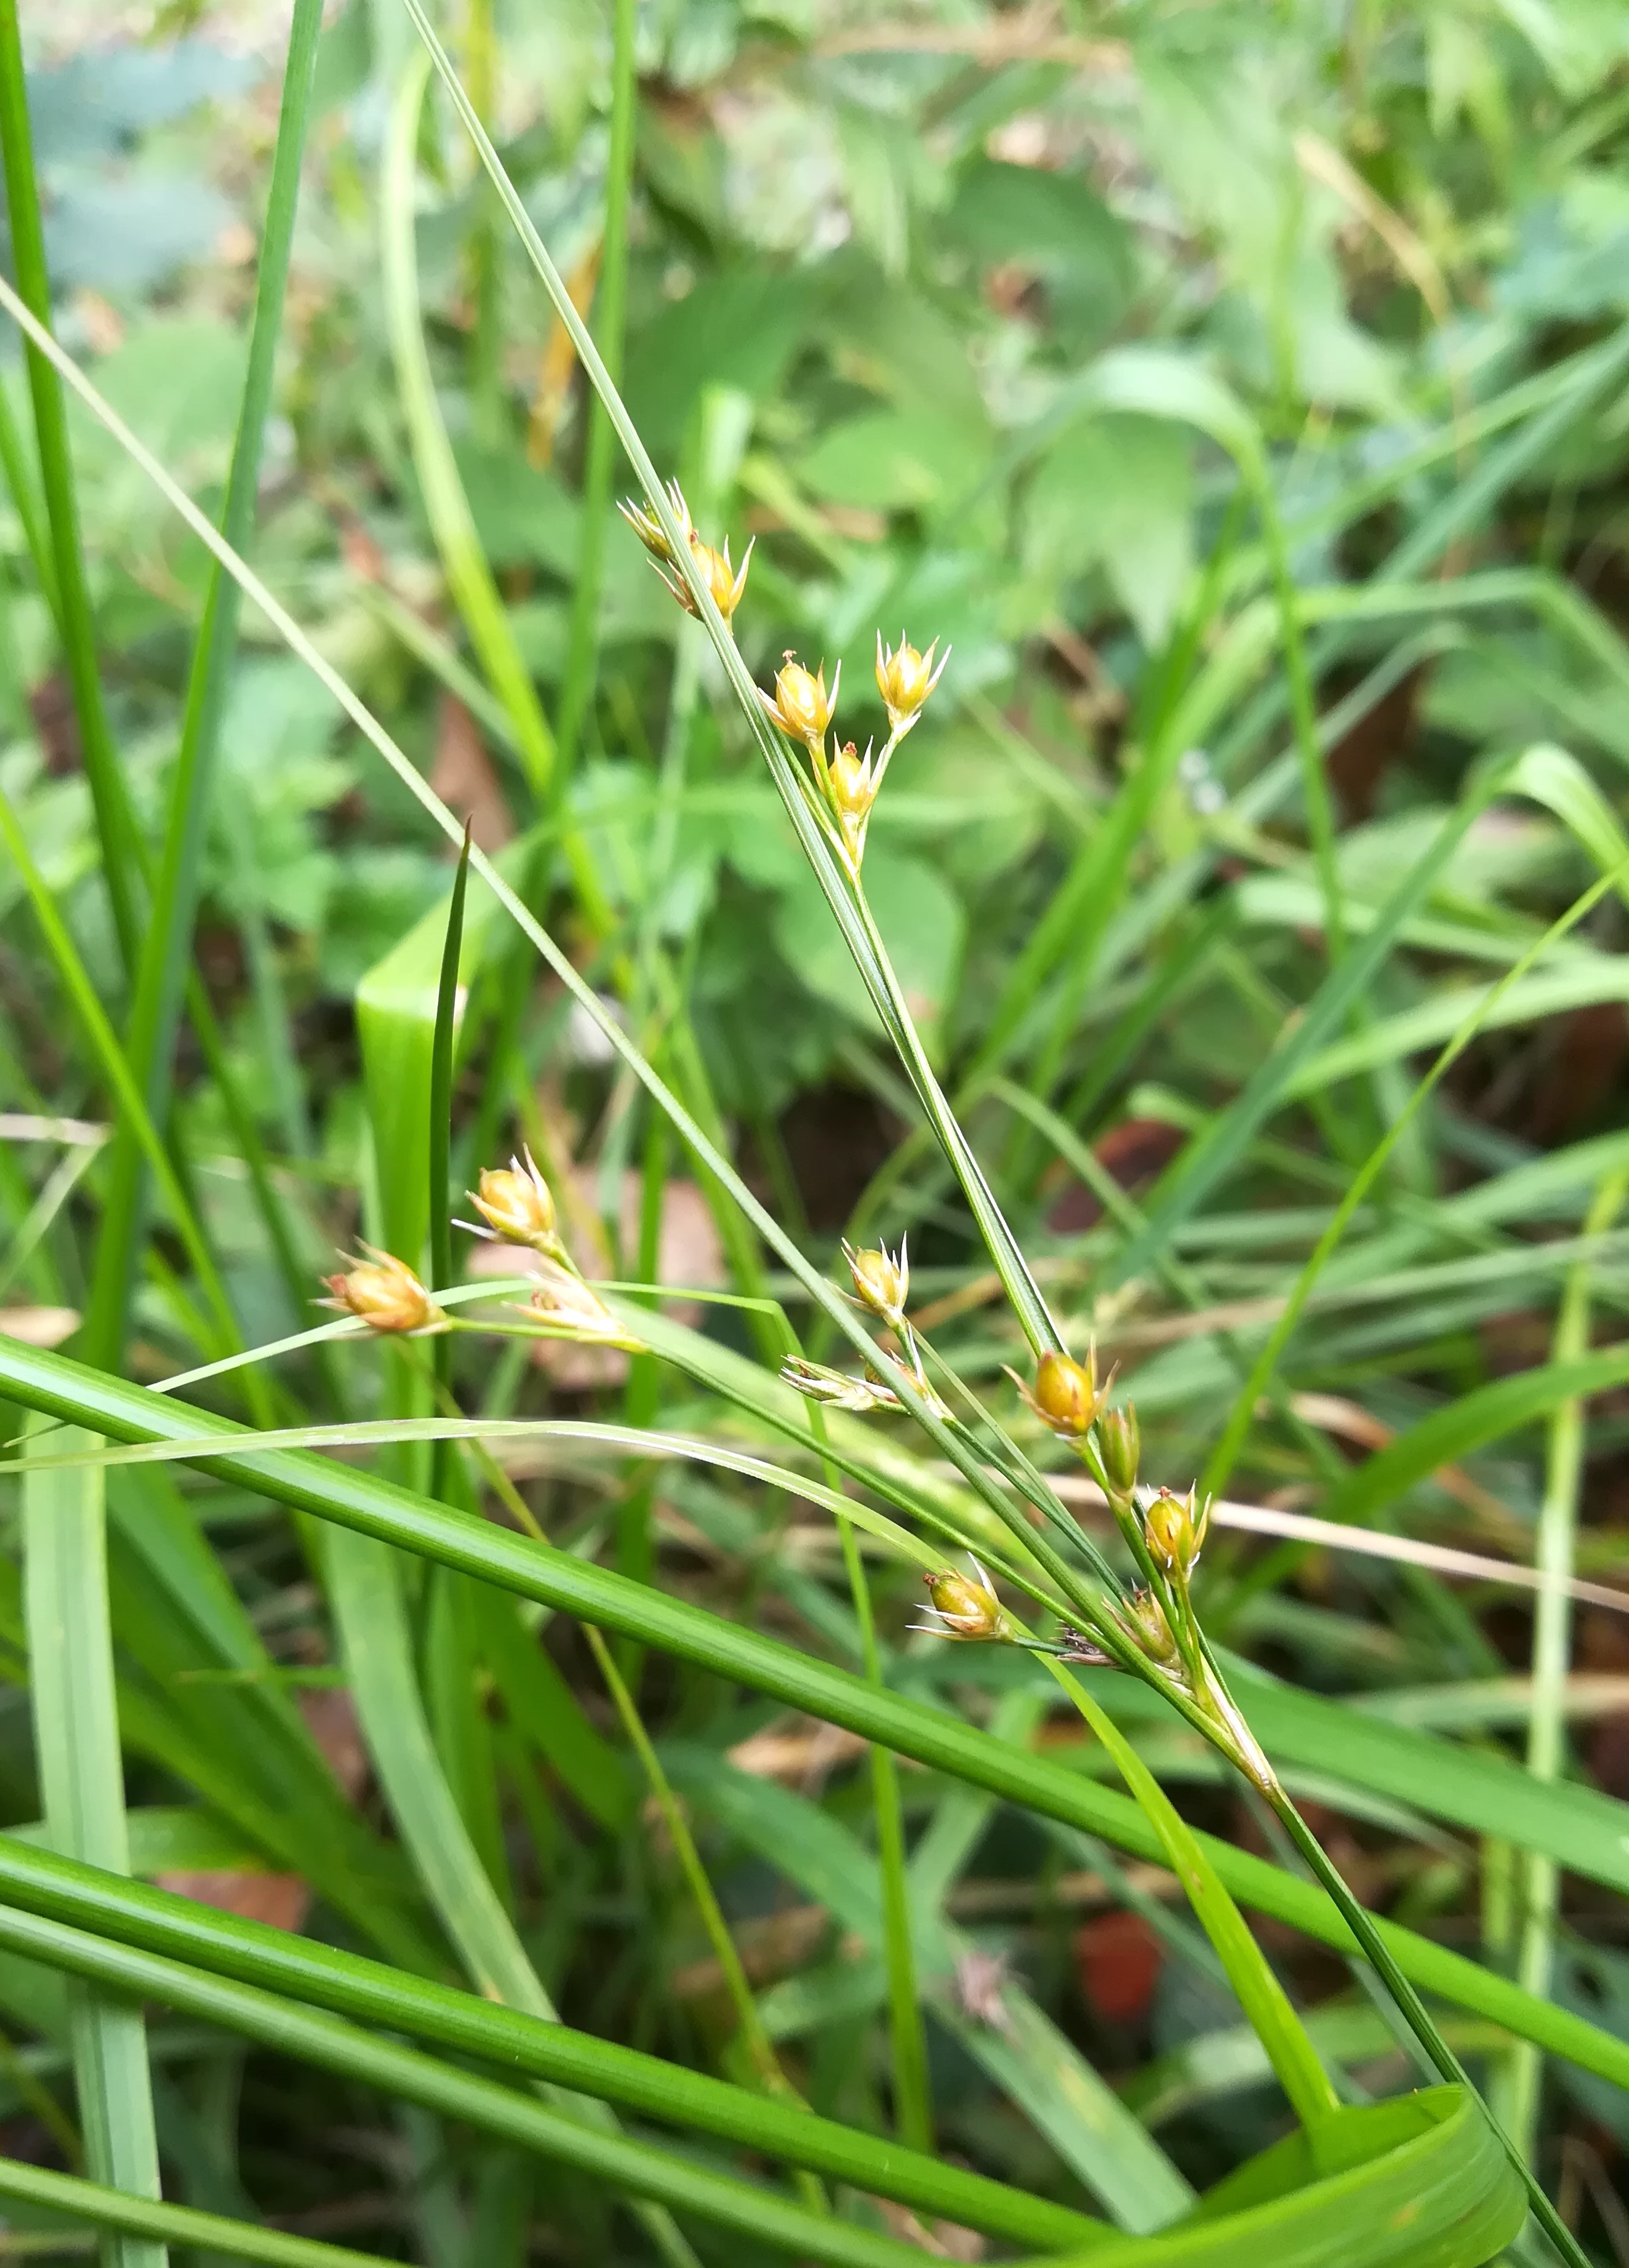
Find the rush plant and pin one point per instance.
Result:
(443, 1526)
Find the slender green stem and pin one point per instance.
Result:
(600, 463)
(1444, 2061)
(1538, 1878)
(116, 825)
(760, 2053)
(1008, 1260)
(140, 2224)
(200, 1943)
(820, 1290)
(166, 945)
(636, 1546)
(340, 1495)
(443, 1043)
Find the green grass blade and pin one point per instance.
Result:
(379, 1661)
(165, 948)
(469, 578)
(82, 1789)
(365, 1586)
(1225, 1139)
(1042, 2071)
(664, 2178)
(1600, 832)
(1485, 1415)
(1540, 1876)
(136, 2224)
(115, 826)
(913, 2101)
(1381, 1957)
(110, 1059)
(1280, 2031)
(322, 1975)
(443, 1041)
(67, 1390)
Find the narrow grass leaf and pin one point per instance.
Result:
(82, 1787)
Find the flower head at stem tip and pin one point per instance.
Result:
(1066, 1395)
(963, 1607)
(905, 677)
(383, 1292)
(516, 1206)
(800, 705)
(881, 1284)
(1175, 1526)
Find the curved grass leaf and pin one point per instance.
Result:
(68, 1390)
(253, 1953)
(1416, 2184)
(1264, 1999)
(1485, 1415)
(662, 2178)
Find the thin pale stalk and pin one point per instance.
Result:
(755, 2040)
(1027, 1302)
(1538, 1878)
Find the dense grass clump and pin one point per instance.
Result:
(968, 1606)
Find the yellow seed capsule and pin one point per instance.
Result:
(1145, 1624)
(384, 1292)
(515, 1204)
(880, 1284)
(801, 705)
(718, 574)
(724, 583)
(905, 677)
(963, 1606)
(1066, 1394)
(852, 786)
(1175, 1526)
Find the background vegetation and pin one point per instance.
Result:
(1240, 392)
